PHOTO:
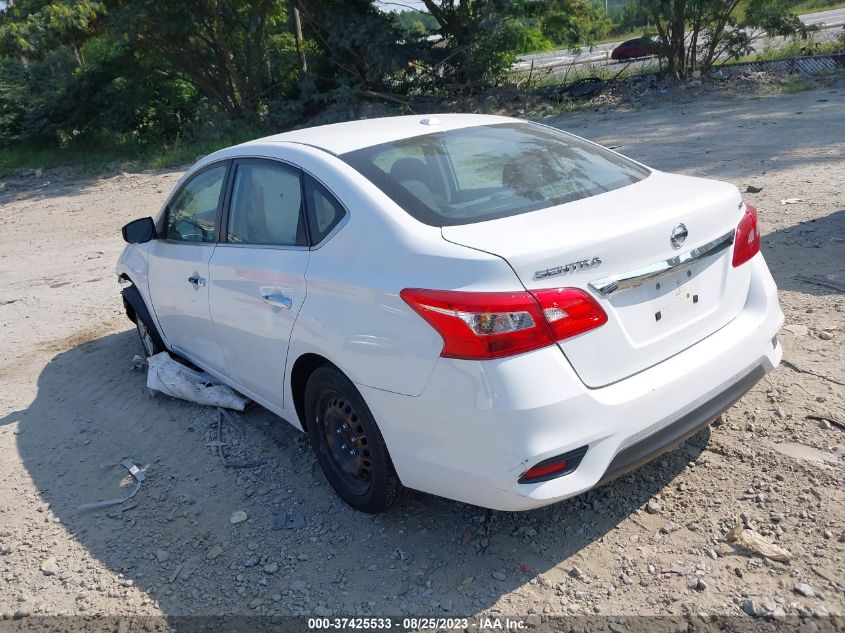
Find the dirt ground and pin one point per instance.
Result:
(654, 542)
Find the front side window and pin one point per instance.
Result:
(491, 171)
(266, 206)
(192, 213)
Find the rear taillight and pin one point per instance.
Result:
(747, 240)
(481, 325)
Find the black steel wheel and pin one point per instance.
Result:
(347, 442)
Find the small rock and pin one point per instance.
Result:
(824, 424)
(695, 583)
(271, 568)
(533, 619)
(214, 552)
(280, 520)
(237, 517)
(499, 575)
(575, 572)
(626, 579)
(24, 609)
(161, 555)
(825, 335)
(803, 589)
(321, 611)
(298, 585)
(50, 567)
(303, 556)
(652, 507)
(295, 522)
(670, 527)
(753, 189)
(750, 607)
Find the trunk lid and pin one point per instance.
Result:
(626, 233)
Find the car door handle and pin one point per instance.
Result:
(277, 300)
(196, 280)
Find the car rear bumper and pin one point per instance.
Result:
(479, 425)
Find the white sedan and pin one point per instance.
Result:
(477, 307)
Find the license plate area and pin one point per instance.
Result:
(677, 297)
(672, 305)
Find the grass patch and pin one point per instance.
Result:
(796, 84)
(91, 157)
(796, 48)
(816, 6)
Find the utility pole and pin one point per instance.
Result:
(297, 34)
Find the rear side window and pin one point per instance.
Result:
(192, 213)
(491, 171)
(324, 210)
(266, 205)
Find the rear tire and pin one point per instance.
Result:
(348, 443)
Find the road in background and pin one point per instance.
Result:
(555, 61)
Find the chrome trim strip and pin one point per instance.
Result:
(633, 278)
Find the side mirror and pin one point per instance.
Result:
(139, 231)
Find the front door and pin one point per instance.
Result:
(178, 268)
(257, 275)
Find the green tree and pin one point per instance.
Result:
(480, 36)
(239, 53)
(33, 28)
(696, 33)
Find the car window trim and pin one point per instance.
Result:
(217, 215)
(311, 246)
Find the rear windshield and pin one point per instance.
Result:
(490, 171)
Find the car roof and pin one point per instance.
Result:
(339, 138)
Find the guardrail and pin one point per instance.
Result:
(807, 65)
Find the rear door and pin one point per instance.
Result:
(258, 274)
(178, 267)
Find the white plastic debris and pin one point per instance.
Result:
(757, 543)
(177, 380)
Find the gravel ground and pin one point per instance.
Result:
(654, 542)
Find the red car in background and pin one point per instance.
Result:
(646, 46)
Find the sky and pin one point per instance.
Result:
(401, 5)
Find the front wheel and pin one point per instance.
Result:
(348, 443)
